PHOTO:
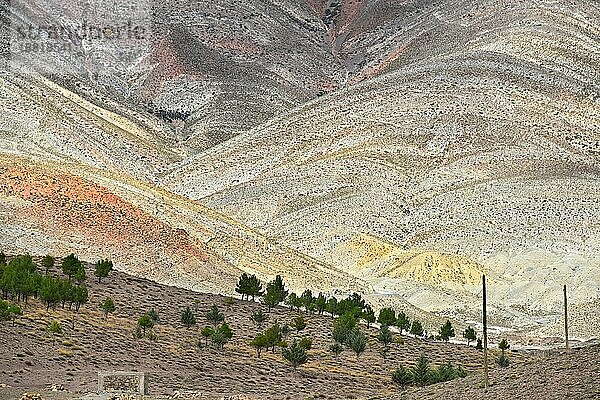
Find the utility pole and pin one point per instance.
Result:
(485, 347)
(566, 319)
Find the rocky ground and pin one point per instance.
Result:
(32, 358)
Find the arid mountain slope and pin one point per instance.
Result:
(488, 149)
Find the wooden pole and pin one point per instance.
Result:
(485, 343)
(566, 319)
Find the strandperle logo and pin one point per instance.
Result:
(89, 35)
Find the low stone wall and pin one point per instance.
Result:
(122, 382)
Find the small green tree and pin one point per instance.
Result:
(225, 330)
(479, 345)
(298, 323)
(503, 345)
(503, 361)
(108, 307)
(273, 336)
(385, 336)
(402, 377)
(71, 266)
(219, 339)
(214, 316)
(416, 328)
(336, 348)
(259, 318)
(275, 292)
(402, 322)
(80, 275)
(421, 372)
(343, 326)
(249, 286)
(307, 299)
(357, 341)
(207, 332)
(320, 303)
(294, 301)
(103, 268)
(295, 355)
(469, 334)
(145, 322)
(446, 331)
(48, 262)
(332, 306)
(387, 316)
(368, 315)
(259, 343)
(188, 319)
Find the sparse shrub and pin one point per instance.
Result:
(153, 315)
(305, 343)
(337, 349)
(228, 301)
(214, 316)
(295, 354)
(259, 318)
(402, 377)
(137, 333)
(188, 319)
(298, 323)
(357, 341)
(152, 336)
(54, 327)
(503, 361)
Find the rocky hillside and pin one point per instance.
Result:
(34, 358)
(400, 149)
(485, 146)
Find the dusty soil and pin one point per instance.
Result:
(32, 358)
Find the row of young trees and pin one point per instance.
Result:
(20, 280)
(346, 328)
